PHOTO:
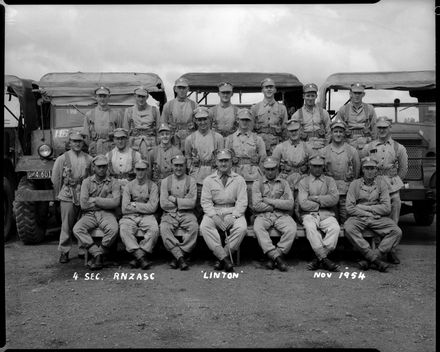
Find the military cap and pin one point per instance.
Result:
(201, 111)
(293, 125)
(164, 127)
(178, 159)
(383, 121)
(225, 87)
(141, 91)
(244, 114)
(120, 132)
(310, 87)
(368, 161)
(181, 82)
(76, 136)
(338, 122)
(270, 162)
(224, 154)
(141, 164)
(102, 90)
(100, 160)
(267, 82)
(357, 87)
(317, 160)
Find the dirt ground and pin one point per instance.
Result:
(46, 307)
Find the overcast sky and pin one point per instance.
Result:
(310, 41)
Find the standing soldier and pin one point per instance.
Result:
(270, 117)
(342, 163)
(69, 170)
(141, 121)
(178, 193)
(368, 205)
(100, 122)
(224, 115)
(159, 157)
(317, 195)
(248, 150)
(100, 195)
(224, 201)
(314, 120)
(178, 113)
(140, 199)
(360, 118)
(272, 200)
(199, 150)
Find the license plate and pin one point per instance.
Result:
(39, 174)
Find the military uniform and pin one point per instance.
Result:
(99, 124)
(101, 214)
(179, 214)
(141, 124)
(224, 118)
(69, 170)
(276, 215)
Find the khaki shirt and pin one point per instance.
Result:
(121, 161)
(278, 190)
(186, 198)
(269, 117)
(293, 155)
(224, 120)
(357, 117)
(325, 188)
(107, 193)
(181, 114)
(143, 119)
(145, 196)
(312, 120)
(217, 199)
(376, 197)
(99, 122)
(159, 159)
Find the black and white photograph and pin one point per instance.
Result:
(220, 176)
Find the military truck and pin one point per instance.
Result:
(62, 99)
(409, 99)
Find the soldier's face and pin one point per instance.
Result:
(293, 135)
(245, 124)
(224, 165)
(356, 97)
(338, 134)
(383, 132)
(179, 169)
(141, 100)
(202, 123)
(369, 172)
(269, 91)
(102, 99)
(121, 142)
(164, 137)
(225, 97)
(140, 173)
(100, 170)
(181, 92)
(270, 172)
(76, 145)
(316, 170)
(309, 98)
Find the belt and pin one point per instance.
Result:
(246, 161)
(357, 131)
(205, 163)
(124, 175)
(142, 131)
(227, 205)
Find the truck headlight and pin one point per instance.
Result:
(45, 150)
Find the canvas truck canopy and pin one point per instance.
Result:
(78, 87)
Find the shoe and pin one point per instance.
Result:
(182, 264)
(364, 265)
(381, 266)
(270, 264)
(329, 265)
(64, 258)
(96, 262)
(315, 264)
(134, 264)
(392, 258)
(281, 264)
(219, 264)
(144, 262)
(229, 268)
(174, 264)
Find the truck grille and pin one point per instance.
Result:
(415, 155)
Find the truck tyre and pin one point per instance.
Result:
(8, 219)
(423, 212)
(30, 217)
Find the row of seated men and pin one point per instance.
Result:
(223, 199)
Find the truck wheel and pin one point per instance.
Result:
(30, 217)
(8, 197)
(423, 212)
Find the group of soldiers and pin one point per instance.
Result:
(147, 175)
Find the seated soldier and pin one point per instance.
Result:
(139, 203)
(368, 205)
(100, 196)
(178, 193)
(224, 201)
(272, 201)
(317, 195)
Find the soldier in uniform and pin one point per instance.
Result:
(272, 201)
(342, 163)
(224, 115)
(314, 120)
(100, 195)
(199, 150)
(317, 195)
(178, 193)
(69, 170)
(159, 157)
(178, 113)
(359, 117)
(140, 199)
(141, 121)
(368, 205)
(270, 117)
(224, 201)
(248, 150)
(100, 122)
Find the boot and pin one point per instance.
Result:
(134, 263)
(381, 266)
(174, 264)
(392, 258)
(364, 265)
(64, 258)
(145, 262)
(270, 264)
(315, 264)
(329, 265)
(219, 264)
(229, 268)
(182, 264)
(281, 264)
(97, 263)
